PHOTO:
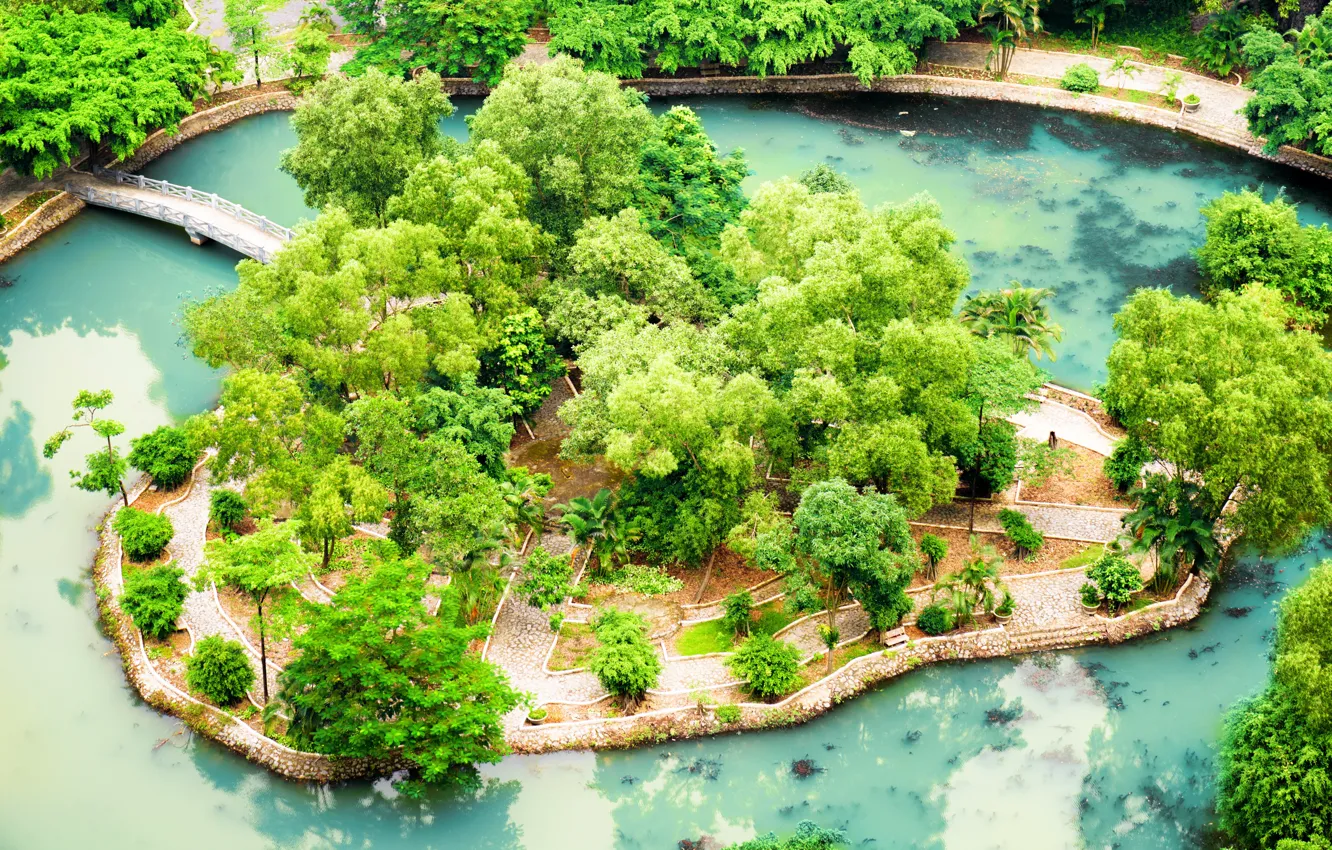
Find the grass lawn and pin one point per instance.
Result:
(712, 636)
(818, 668)
(1083, 558)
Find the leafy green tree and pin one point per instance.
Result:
(378, 676)
(342, 493)
(1303, 667)
(145, 13)
(609, 36)
(737, 607)
(154, 599)
(993, 455)
(220, 670)
(256, 565)
(1017, 315)
(523, 492)
(548, 579)
(57, 68)
(893, 457)
(167, 454)
(1218, 47)
(1116, 579)
(144, 536)
(1171, 522)
(1093, 13)
(357, 140)
(251, 34)
(1026, 540)
(361, 16)
(1291, 85)
(1008, 22)
(625, 662)
(576, 134)
(227, 508)
(308, 56)
(522, 362)
(825, 178)
(934, 549)
(935, 619)
(1124, 465)
(770, 667)
(450, 37)
(103, 471)
(596, 524)
(481, 418)
(1224, 392)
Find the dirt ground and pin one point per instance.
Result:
(730, 573)
(1052, 554)
(540, 452)
(1086, 486)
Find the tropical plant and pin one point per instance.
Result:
(1093, 13)
(1007, 604)
(1122, 68)
(1290, 83)
(625, 662)
(251, 34)
(976, 585)
(1017, 315)
(737, 607)
(1170, 85)
(548, 579)
(1090, 594)
(103, 471)
(154, 598)
(770, 667)
(219, 669)
(807, 836)
(1171, 522)
(167, 454)
(143, 535)
(1080, 78)
(597, 525)
(829, 637)
(477, 591)
(1116, 579)
(935, 549)
(226, 508)
(1218, 46)
(1020, 18)
(522, 493)
(308, 56)
(935, 619)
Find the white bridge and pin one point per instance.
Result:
(204, 215)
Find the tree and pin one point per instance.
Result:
(103, 471)
(449, 37)
(522, 493)
(576, 134)
(548, 579)
(625, 662)
(1304, 650)
(57, 68)
(226, 508)
(308, 56)
(362, 16)
(598, 525)
(770, 667)
(807, 836)
(522, 363)
(220, 670)
(357, 140)
(144, 13)
(1116, 579)
(341, 494)
(378, 676)
(1016, 314)
(250, 32)
(1290, 104)
(976, 585)
(893, 457)
(1226, 395)
(825, 178)
(1019, 18)
(1026, 540)
(1124, 465)
(1121, 68)
(154, 599)
(1093, 13)
(737, 607)
(935, 549)
(256, 565)
(144, 536)
(1170, 522)
(167, 454)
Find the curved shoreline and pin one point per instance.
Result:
(61, 208)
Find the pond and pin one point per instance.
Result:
(1101, 747)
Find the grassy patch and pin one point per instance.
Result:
(702, 638)
(1083, 558)
(575, 644)
(818, 668)
(772, 617)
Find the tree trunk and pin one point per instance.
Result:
(706, 575)
(328, 551)
(263, 649)
(258, 83)
(975, 472)
(832, 623)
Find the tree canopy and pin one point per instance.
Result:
(1292, 86)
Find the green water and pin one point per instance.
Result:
(1110, 747)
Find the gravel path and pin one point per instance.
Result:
(1097, 526)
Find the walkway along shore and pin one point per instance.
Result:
(1216, 121)
(1048, 617)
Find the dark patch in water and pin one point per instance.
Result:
(1003, 716)
(628, 780)
(911, 737)
(805, 768)
(1237, 613)
(709, 769)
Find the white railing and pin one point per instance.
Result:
(208, 199)
(165, 212)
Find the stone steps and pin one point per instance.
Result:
(1057, 636)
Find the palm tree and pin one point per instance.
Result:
(522, 498)
(1122, 69)
(597, 524)
(1021, 18)
(1095, 13)
(1016, 313)
(1171, 522)
(976, 585)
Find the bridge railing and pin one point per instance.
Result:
(171, 215)
(208, 199)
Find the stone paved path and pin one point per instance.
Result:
(1068, 424)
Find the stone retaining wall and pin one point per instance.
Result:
(851, 680)
(45, 218)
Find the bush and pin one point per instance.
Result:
(1080, 78)
(549, 579)
(143, 535)
(154, 599)
(738, 607)
(1116, 578)
(226, 508)
(728, 713)
(1090, 595)
(1018, 529)
(167, 454)
(1124, 466)
(935, 549)
(935, 619)
(625, 663)
(769, 665)
(220, 670)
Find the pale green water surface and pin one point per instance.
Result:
(1103, 748)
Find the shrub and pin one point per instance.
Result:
(220, 670)
(935, 619)
(738, 607)
(549, 579)
(1124, 466)
(771, 666)
(645, 579)
(1006, 605)
(1116, 578)
(226, 508)
(154, 599)
(625, 663)
(167, 454)
(1090, 595)
(935, 549)
(1080, 78)
(728, 713)
(1018, 529)
(143, 535)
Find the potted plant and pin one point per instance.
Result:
(536, 716)
(1003, 612)
(1191, 103)
(1091, 597)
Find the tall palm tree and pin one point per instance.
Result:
(1016, 313)
(1171, 522)
(1094, 12)
(1019, 17)
(522, 494)
(597, 524)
